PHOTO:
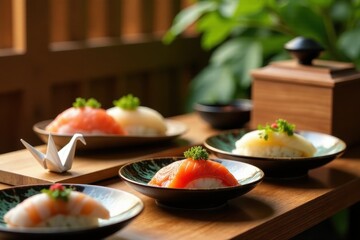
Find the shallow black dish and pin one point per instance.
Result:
(328, 148)
(123, 207)
(138, 174)
(225, 115)
(101, 141)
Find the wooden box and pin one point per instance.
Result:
(323, 97)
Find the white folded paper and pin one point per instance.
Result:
(54, 160)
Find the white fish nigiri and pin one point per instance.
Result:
(40, 209)
(277, 140)
(137, 120)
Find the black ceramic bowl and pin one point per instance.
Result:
(138, 174)
(225, 115)
(123, 206)
(328, 148)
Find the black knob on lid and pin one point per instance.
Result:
(304, 49)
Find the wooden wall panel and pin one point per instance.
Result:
(62, 97)
(97, 48)
(104, 90)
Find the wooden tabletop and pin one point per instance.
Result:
(272, 210)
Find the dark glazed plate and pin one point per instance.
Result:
(175, 129)
(328, 148)
(138, 174)
(123, 207)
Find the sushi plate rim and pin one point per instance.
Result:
(259, 178)
(105, 228)
(96, 141)
(275, 159)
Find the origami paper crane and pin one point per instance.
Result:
(54, 160)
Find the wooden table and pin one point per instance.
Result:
(273, 210)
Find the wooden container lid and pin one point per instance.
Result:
(320, 73)
(305, 68)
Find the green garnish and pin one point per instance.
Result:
(58, 192)
(197, 153)
(281, 126)
(82, 102)
(128, 102)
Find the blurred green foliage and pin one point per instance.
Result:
(246, 34)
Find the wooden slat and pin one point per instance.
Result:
(37, 30)
(137, 18)
(104, 19)
(78, 20)
(130, 18)
(6, 24)
(19, 28)
(164, 13)
(59, 21)
(97, 19)
(114, 18)
(122, 59)
(147, 16)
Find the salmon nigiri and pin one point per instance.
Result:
(85, 117)
(57, 206)
(195, 171)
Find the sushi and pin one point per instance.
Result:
(196, 171)
(86, 117)
(58, 207)
(276, 140)
(135, 119)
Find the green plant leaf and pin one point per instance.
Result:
(340, 11)
(348, 45)
(246, 7)
(231, 50)
(273, 44)
(227, 8)
(212, 84)
(246, 56)
(304, 21)
(215, 29)
(321, 3)
(186, 17)
(252, 60)
(241, 55)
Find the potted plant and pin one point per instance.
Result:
(246, 34)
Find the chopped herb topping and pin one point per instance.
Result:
(82, 102)
(280, 126)
(197, 153)
(128, 102)
(58, 192)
